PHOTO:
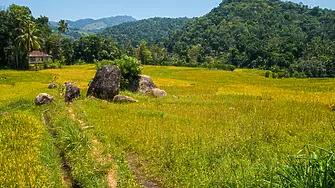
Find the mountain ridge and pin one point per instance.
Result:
(95, 25)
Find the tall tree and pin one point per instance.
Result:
(42, 24)
(144, 53)
(62, 26)
(29, 40)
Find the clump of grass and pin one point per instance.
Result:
(311, 167)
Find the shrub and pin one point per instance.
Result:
(281, 74)
(80, 62)
(130, 69)
(274, 75)
(218, 66)
(51, 64)
(268, 74)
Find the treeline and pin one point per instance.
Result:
(21, 33)
(284, 37)
(289, 39)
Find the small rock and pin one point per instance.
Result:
(71, 93)
(43, 98)
(158, 92)
(123, 99)
(52, 86)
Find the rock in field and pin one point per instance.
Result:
(106, 83)
(69, 83)
(71, 93)
(123, 99)
(158, 93)
(52, 86)
(143, 84)
(43, 98)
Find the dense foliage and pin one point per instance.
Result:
(150, 30)
(130, 69)
(266, 34)
(21, 33)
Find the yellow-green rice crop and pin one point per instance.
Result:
(215, 129)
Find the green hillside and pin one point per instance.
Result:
(152, 30)
(267, 34)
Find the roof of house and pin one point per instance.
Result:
(38, 54)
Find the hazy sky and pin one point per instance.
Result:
(77, 9)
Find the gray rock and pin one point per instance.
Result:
(71, 93)
(52, 86)
(143, 84)
(68, 83)
(158, 93)
(123, 99)
(106, 83)
(43, 98)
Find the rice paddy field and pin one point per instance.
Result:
(215, 129)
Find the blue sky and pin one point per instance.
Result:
(77, 9)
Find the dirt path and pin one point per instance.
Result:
(66, 169)
(141, 178)
(96, 153)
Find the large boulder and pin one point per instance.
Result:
(123, 99)
(43, 98)
(158, 93)
(71, 93)
(143, 84)
(106, 83)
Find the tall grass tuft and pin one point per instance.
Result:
(313, 167)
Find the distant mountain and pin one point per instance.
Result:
(92, 25)
(151, 30)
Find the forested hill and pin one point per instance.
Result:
(263, 34)
(151, 30)
(89, 24)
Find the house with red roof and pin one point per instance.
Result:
(37, 57)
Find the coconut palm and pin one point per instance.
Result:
(29, 40)
(62, 26)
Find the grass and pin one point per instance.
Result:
(215, 129)
(28, 157)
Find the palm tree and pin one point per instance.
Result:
(62, 26)
(29, 40)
